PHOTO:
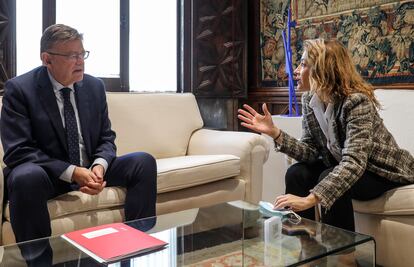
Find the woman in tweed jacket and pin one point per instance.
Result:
(345, 151)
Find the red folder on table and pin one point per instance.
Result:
(112, 242)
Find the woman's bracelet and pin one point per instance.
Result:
(280, 133)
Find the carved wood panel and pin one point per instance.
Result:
(7, 41)
(219, 48)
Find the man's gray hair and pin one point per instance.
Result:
(58, 33)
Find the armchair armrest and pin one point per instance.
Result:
(251, 148)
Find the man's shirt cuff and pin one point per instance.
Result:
(67, 174)
(102, 162)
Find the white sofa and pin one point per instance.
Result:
(196, 167)
(389, 218)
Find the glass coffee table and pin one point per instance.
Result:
(227, 234)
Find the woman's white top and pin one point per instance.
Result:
(325, 117)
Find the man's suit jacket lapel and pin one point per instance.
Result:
(83, 103)
(48, 100)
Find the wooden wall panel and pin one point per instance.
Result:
(218, 56)
(219, 48)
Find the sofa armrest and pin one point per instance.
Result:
(252, 149)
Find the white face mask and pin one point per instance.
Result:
(267, 209)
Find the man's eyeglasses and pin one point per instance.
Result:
(73, 56)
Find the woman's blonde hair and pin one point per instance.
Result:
(332, 73)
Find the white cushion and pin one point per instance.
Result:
(188, 171)
(399, 201)
(160, 124)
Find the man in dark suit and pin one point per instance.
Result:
(57, 137)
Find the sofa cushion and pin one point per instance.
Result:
(173, 174)
(188, 171)
(399, 201)
(160, 124)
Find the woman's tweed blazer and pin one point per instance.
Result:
(364, 141)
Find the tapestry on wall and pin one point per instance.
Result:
(378, 33)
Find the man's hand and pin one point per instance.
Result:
(87, 181)
(296, 203)
(98, 170)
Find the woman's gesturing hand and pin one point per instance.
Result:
(258, 122)
(296, 203)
